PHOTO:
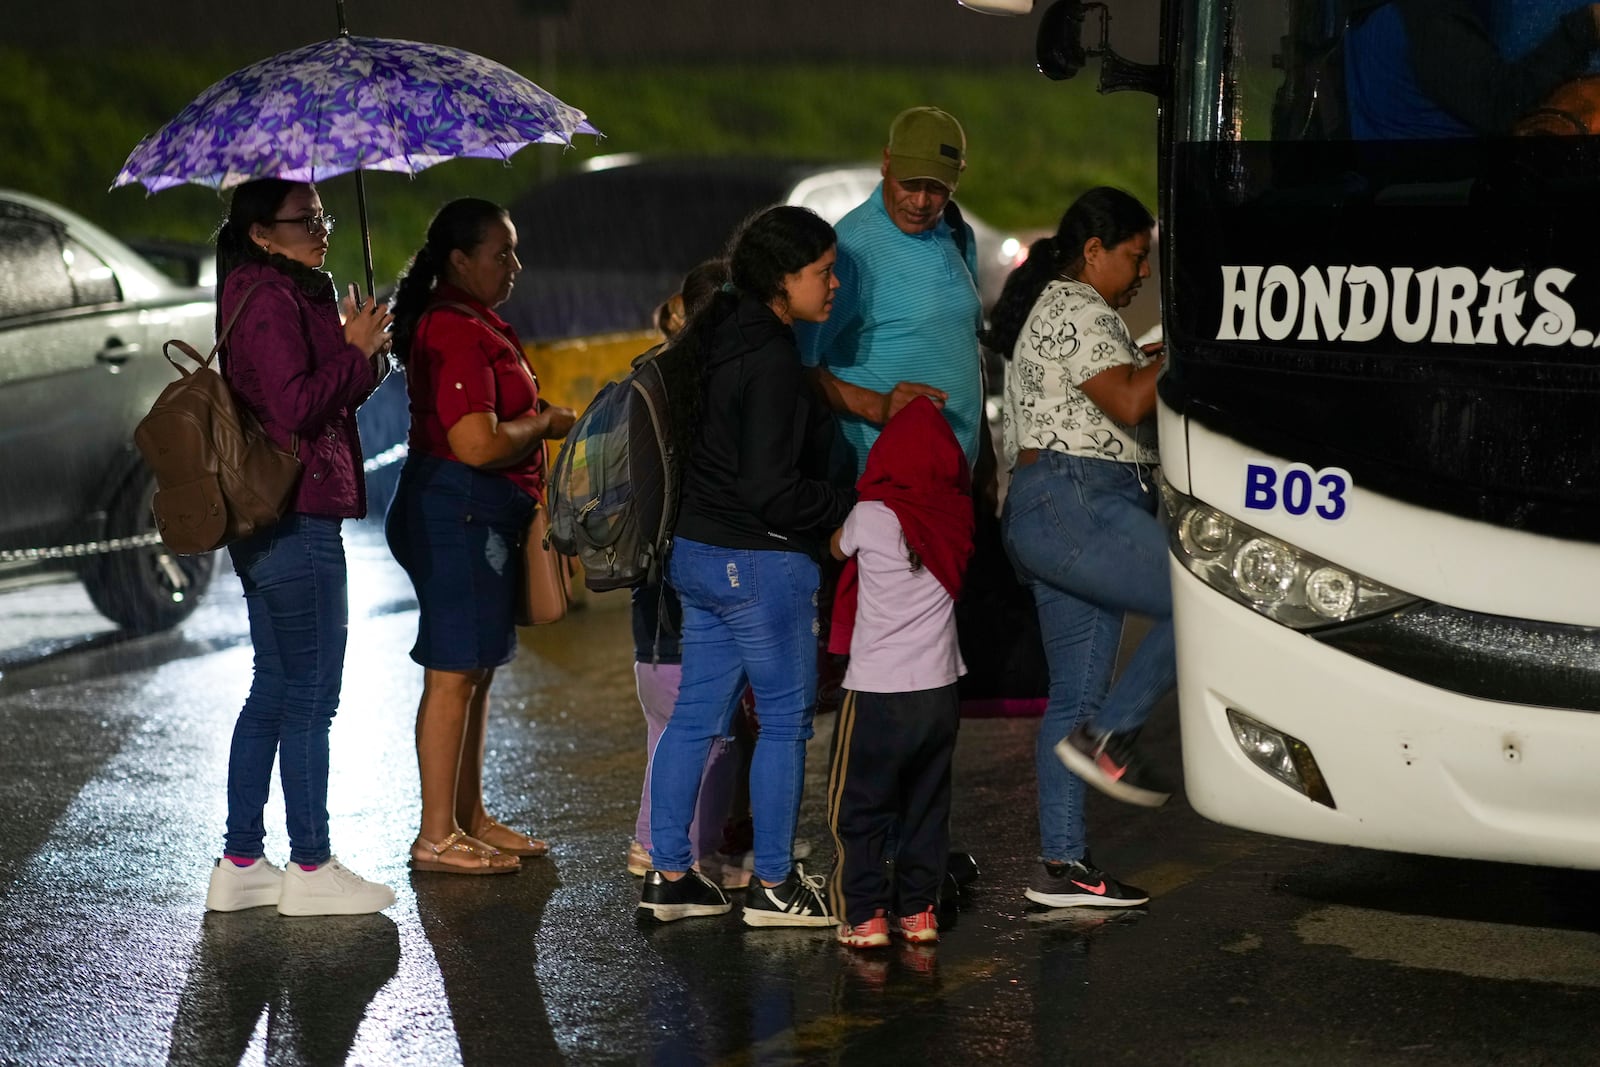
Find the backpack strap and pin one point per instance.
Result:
(205, 364)
(188, 350)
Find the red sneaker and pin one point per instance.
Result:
(874, 933)
(923, 927)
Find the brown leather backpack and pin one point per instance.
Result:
(219, 477)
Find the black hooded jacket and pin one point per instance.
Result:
(756, 473)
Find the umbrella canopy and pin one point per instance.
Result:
(350, 104)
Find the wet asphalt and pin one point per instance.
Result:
(1252, 951)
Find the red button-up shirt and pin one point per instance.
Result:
(459, 365)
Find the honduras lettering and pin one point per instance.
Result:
(1443, 305)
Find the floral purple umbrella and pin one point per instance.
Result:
(351, 104)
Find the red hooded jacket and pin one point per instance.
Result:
(918, 469)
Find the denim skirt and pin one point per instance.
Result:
(458, 532)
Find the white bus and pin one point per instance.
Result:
(1380, 429)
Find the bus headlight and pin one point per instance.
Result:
(1267, 574)
(1264, 570)
(1205, 532)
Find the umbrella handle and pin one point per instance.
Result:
(361, 190)
(366, 235)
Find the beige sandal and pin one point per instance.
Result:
(509, 841)
(471, 856)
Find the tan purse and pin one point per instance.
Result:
(545, 592)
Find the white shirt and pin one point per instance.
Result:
(905, 633)
(1071, 335)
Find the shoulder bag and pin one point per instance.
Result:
(545, 591)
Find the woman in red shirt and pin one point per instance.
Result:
(474, 475)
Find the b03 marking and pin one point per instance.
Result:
(1297, 490)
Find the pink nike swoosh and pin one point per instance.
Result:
(1098, 889)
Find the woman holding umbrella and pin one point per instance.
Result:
(302, 374)
(473, 477)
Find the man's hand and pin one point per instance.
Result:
(905, 393)
(877, 408)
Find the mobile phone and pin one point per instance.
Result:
(355, 296)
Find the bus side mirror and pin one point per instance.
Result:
(1061, 53)
(1059, 46)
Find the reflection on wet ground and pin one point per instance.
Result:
(1251, 951)
(299, 992)
(44, 622)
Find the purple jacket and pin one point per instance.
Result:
(288, 362)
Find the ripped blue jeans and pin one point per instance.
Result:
(748, 615)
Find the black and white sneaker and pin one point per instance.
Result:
(1110, 763)
(691, 895)
(1080, 884)
(798, 901)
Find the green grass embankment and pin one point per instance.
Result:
(67, 123)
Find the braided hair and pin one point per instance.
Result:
(460, 224)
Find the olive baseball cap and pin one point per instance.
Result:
(925, 142)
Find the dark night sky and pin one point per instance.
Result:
(900, 31)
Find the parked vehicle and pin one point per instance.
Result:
(189, 263)
(601, 247)
(82, 322)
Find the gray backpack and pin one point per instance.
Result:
(613, 493)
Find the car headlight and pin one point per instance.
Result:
(1267, 574)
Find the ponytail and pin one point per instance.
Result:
(459, 225)
(1109, 214)
(411, 299)
(1021, 290)
(252, 202)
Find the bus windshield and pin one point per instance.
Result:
(1368, 272)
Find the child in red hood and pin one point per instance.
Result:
(906, 545)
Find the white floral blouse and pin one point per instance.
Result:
(1071, 335)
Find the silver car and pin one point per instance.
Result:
(82, 322)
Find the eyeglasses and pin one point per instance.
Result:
(314, 224)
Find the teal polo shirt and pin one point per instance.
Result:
(907, 310)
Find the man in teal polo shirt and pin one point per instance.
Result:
(906, 315)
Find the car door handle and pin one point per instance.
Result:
(115, 352)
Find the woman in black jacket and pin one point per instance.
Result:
(756, 510)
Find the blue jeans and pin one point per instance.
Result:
(748, 616)
(1083, 536)
(295, 590)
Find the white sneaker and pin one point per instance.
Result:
(735, 872)
(234, 888)
(331, 889)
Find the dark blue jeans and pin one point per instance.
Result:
(295, 587)
(1083, 535)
